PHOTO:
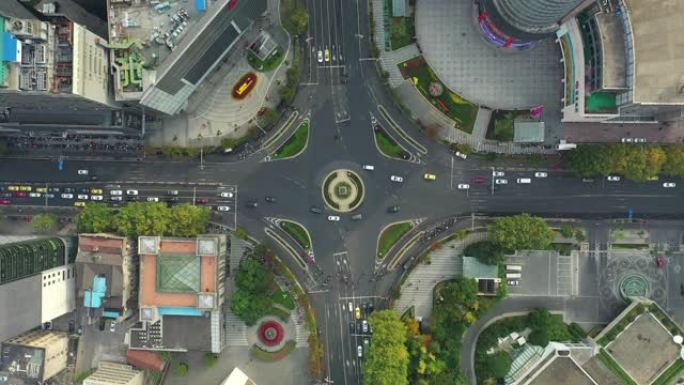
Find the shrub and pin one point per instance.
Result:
(538, 337)
(182, 369)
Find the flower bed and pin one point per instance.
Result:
(263, 355)
(271, 333)
(243, 87)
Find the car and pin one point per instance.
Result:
(5, 202)
(357, 313)
(368, 167)
(364, 326)
(172, 192)
(270, 199)
(541, 174)
(613, 178)
(202, 201)
(357, 217)
(69, 190)
(359, 351)
(50, 195)
(12, 188)
(112, 326)
(428, 176)
(25, 188)
(7, 195)
(67, 196)
(463, 186)
(115, 192)
(132, 192)
(669, 184)
(654, 178)
(34, 195)
(82, 172)
(333, 218)
(501, 181)
(152, 199)
(79, 204)
(96, 191)
(498, 173)
(20, 194)
(366, 342)
(41, 189)
(96, 197)
(320, 56)
(352, 327)
(116, 198)
(315, 210)
(588, 180)
(393, 209)
(85, 190)
(397, 178)
(513, 282)
(53, 189)
(461, 155)
(351, 307)
(223, 208)
(226, 194)
(627, 140)
(83, 196)
(252, 204)
(640, 140)
(327, 55)
(478, 179)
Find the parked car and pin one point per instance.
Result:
(319, 56)
(461, 155)
(202, 201)
(498, 173)
(501, 181)
(172, 192)
(357, 313)
(96, 197)
(478, 179)
(96, 191)
(223, 208)
(613, 178)
(67, 196)
(153, 199)
(112, 326)
(5, 202)
(20, 194)
(83, 197)
(116, 198)
(132, 192)
(364, 326)
(359, 351)
(513, 282)
(226, 194)
(34, 195)
(540, 174)
(82, 172)
(79, 204)
(116, 192)
(669, 184)
(396, 178)
(41, 189)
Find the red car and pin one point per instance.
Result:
(5, 202)
(202, 201)
(479, 179)
(20, 194)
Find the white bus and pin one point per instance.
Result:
(512, 275)
(513, 268)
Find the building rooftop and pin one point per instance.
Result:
(145, 360)
(114, 373)
(238, 377)
(35, 356)
(74, 12)
(21, 306)
(562, 371)
(528, 132)
(473, 268)
(13, 8)
(657, 31)
(612, 50)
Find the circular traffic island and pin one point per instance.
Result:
(343, 190)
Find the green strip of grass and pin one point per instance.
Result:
(295, 144)
(283, 299)
(387, 146)
(271, 62)
(390, 236)
(637, 246)
(297, 232)
(614, 367)
(673, 371)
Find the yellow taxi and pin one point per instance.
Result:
(327, 55)
(95, 191)
(357, 312)
(12, 188)
(25, 188)
(41, 189)
(79, 204)
(428, 176)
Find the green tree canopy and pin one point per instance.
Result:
(488, 252)
(95, 218)
(44, 223)
(387, 359)
(297, 20)
(187, 220)
(522, 232)
(674, 164)
(143, 218)
(539, 337)
(500, 364)
(252, 276)
(249, 307)
(589, 161)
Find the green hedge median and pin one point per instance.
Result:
(297, 232)
(295, 144)
(390, 236)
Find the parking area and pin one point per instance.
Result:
(543, 273)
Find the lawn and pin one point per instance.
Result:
(295, 144)
(671, 372)
(614, 367)
(451, 104)
(271, 62)
(387, 145)
(401, 32)
(501, 124)
(283, 299)
(297, 232)
(390, 236)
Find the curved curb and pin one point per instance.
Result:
(404, 249)
(377, 146)
(389, 251)
(279, 133)
(285, 245)
(403, 134)
(277, 221)
(362, 188)
(298, 153)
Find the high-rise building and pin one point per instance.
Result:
(522, 23)
(35, 356)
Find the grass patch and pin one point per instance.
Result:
(328, 198)
(630, 246)
(451, 104)
(283, 298)
(401, 32)
(269, 64)
(614, 367)
(297, 232)
(668, 376)
(390, 236)
(295, 143)
(388, 146)
(359, 188)
(501, 124)
(263, 355)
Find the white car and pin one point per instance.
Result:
(320, 56)
(396, 178)
(112, 327)
(67, 196)
(640, 140)
(83, 197)
(116, 198)
(333, 218)
(627, 140)
(613, 178)
(669, 184)
(96, 197)
(226, 194)
(223, 208)
(34, 195)
(540, 174)
(498, 173)
(501, 181)
(116, 192)
(82, 172)
(359, 351)
(132, 192)
(463, 186)
(461, 155)
(152, 199)
(368, 167)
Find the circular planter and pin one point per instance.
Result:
(271, 333)
(343, 190)
(244, 86)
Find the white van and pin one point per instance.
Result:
(513, 268)
(512, 275)
(524, 180)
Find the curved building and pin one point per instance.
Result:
(521, 23)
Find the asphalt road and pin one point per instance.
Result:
(340, 96)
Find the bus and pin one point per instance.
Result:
(513, 268)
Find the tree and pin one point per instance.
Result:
(182, 369)
(249, 307)
(674, 164)
(143, 218)
(539, 337)
(540, 318)
(500, 364)
(297, 20)
(187, 220)
(487, 252)
(522, 232)
(387, 359)
(589, 160)
(567, 231)
(210, 359)
(95, 218)
(44, 223)
(252, 276)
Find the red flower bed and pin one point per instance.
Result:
(271, 333)
(244, 86)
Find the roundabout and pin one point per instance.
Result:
(343, 190)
